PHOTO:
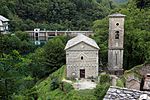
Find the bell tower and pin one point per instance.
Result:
(116, 41)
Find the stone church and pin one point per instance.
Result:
(82, 52)
(82, 57)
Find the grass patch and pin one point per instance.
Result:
(134, 71)
(44, 90)
(80, 95)
(120, 83)
(49, 87)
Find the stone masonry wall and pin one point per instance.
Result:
(89, 61)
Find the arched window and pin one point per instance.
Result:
(117, 24)
(36, 34)
(117, 35)
(81, 57)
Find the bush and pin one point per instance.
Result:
(66, 87)
(105, 78)
(120, 83)
(20, 97)
(100, 91)
(54, 84)
(80, 95)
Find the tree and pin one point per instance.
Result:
(47, 59)
(54, 54)
(12, 70)
(142, 4)
(22, 35)
(137, 36)
(100, 91)
(29, 14)
(100, 28)
(37, 68)
(19, 41)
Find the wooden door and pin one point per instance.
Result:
(82, 73)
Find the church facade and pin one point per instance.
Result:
(82, 57)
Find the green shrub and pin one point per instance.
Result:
(100, 90)
(66, 87)
(80, 95)
(120, 83)
(105, 78)
(20, 97)
(54, 84)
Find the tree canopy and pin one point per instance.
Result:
(53, 14)
(24, 65)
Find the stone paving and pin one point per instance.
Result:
(82, 84)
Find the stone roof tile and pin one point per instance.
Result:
(124, 93)
(81, 38)
(117, 15)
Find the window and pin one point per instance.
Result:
(117, 35)
(148, 75)
(117, 24)
(36, 34)
(36, 38)
(116, 59)
(81, 57)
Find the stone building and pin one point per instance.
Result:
(116, 41)
(3, 24)
(147, 82)
(82, 57)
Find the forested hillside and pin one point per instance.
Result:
(53, 14)
(137, 33)
(33, 72)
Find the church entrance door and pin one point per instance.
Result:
(82, 73)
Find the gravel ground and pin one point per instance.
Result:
(84, 84)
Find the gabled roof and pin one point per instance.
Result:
(1, 24)
(2, 18)
(117, 15)
(117, 93)
(81, 38)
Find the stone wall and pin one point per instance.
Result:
(112, 29)
(75, 62)
(115, 59)
(133, 84)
